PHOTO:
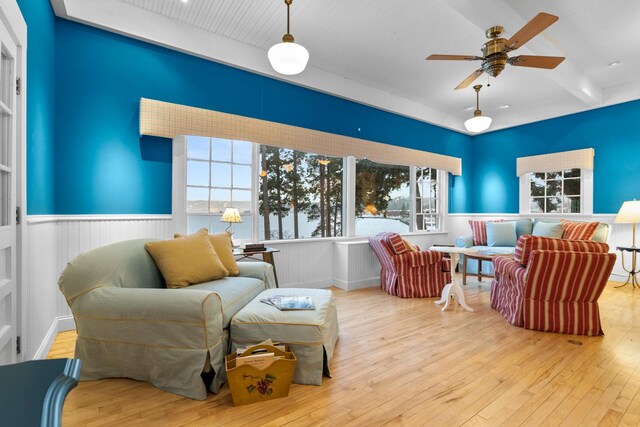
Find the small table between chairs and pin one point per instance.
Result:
(267, 256)
(453, 289)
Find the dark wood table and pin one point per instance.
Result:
(267, 256)
(32, 393)
(479, 256)
(633, 272)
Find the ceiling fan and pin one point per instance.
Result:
(494, 52)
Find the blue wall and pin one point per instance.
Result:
(40, 105)
(89, 82)
(611, 131)
(104, 166)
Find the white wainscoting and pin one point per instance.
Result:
(52, 241)
(346, 263)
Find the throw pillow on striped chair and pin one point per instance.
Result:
(397, 243)
(479, 231)
(528, 243)
(578, 230)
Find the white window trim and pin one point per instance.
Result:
(179, 198)
(586, 195)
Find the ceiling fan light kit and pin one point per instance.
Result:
(288, 57)
(477, 123)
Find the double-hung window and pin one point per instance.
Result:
(219, 175)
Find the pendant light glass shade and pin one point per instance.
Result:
(478, 122)
(288, 58)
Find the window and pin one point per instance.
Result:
(285, 194)
(383, 198)
(428, 200)
(299, 194)
(218, 175)
(555, 192)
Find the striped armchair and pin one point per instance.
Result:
(552, 284)
(409, 273)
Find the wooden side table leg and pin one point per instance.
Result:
(268, 257)
(464, 269)
(479, 270)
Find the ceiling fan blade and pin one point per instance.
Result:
(531, 29)
(548, 62)
(466, 82)
(453, 58)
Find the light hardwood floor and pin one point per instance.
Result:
(405, 362)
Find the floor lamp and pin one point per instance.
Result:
(630, 214)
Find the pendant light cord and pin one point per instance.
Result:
(288, 3)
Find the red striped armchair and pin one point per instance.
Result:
(552, 284)
(409, 273)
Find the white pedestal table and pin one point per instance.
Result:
(453, 289)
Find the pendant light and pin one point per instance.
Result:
(288, 57)
(478, 122)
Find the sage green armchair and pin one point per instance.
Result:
(130, 325)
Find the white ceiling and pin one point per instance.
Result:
(373, 51)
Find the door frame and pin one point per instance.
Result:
(12, 18)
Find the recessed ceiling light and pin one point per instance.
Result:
(468, 107)
(504, 106)
(614, 63)
(185, 1)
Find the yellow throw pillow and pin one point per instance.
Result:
(188, 260)
(409, 246)
(223, 246)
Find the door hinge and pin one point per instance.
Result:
(18, 86)
(18, 212)
(18, 346)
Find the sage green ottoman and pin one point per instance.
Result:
(311, 334)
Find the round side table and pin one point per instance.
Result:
(632, 278)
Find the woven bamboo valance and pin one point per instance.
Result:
(576, 159)
(167, 120)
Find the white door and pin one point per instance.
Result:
(8, 253)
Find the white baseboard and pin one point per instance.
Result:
(371, 282)
(326, 283)
(59, 324)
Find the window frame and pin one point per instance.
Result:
(586, 195)
(179, 197)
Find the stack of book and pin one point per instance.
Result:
(254, 247)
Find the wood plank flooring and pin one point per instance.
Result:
(404, 362)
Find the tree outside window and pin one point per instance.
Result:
(300, 194)
(555, 192)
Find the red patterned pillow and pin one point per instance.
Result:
(397, 244)
(479, 231)
(528, 243)
(578, 230)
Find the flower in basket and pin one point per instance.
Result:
(263, 385)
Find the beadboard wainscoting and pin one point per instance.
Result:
(620, 233)
(52, 241)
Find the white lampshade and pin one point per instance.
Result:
(231, 215)
(629, 213)
(477, 124)
(288, 58)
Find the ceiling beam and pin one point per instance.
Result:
(485, 14)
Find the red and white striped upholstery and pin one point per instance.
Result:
(528, 243)
(479, 231)
(556, 290)
(578, 230)
(410, 274)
